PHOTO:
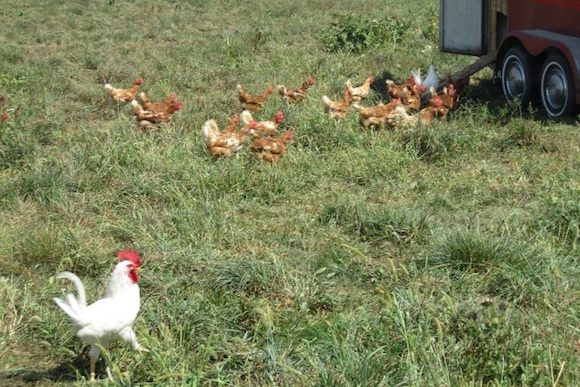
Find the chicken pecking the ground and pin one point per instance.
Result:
(396, 91)
(267, 127)
(124, 95)
(271, 149)
(434, 111)
(158, 107)
(410, 99)
(254, 102)
(337, 109)
(110, 318)
(359, 93)
(148, 119)
(227, 142)
(296, 95)
(448, 98)
(377, 116)
(402, 118)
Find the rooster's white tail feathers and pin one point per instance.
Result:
(431, 80)
(73, 306)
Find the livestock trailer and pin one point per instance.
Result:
(532, 45)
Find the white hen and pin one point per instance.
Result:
(110, 318)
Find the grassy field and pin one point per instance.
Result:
(436, 255)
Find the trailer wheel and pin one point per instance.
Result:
(516, 75)
(557, 87)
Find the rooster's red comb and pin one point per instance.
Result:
(129, 255)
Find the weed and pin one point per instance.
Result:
(379, 225)
(562, 219)
(356, 33)
(521, 133)
(430, 143)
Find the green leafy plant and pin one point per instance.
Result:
(12, 81)
(356, 33)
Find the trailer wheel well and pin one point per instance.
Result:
(550, 51)
(505, 46)
(537, 61)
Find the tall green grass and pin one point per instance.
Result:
(437, 255)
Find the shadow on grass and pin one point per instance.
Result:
(379, 86)
(488, 92)
(65, 372)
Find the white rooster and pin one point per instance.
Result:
(110, 318)
(431, 80)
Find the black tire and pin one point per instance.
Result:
(517, 76)
(557, 87)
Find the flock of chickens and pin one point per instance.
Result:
(416, 101)
(148, 113)
(111, 318)
(413, 102)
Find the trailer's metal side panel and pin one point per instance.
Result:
(461, 27)
(559, 16)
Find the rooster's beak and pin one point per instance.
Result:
(138, 269)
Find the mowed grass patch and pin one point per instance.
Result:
(433, 255)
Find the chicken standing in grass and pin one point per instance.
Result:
(359, 93)
(124, 95)
(227, 142)
(254, 102)
(271, 149)
(148, 118)
(164, 107)
(267, 127)
(448, 97)
(296, 95)
(110, 318)
(337, 109)
(410, 99)
(377, 116)
(435, 110)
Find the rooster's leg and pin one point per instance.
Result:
(94, 353)
(93, 361)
